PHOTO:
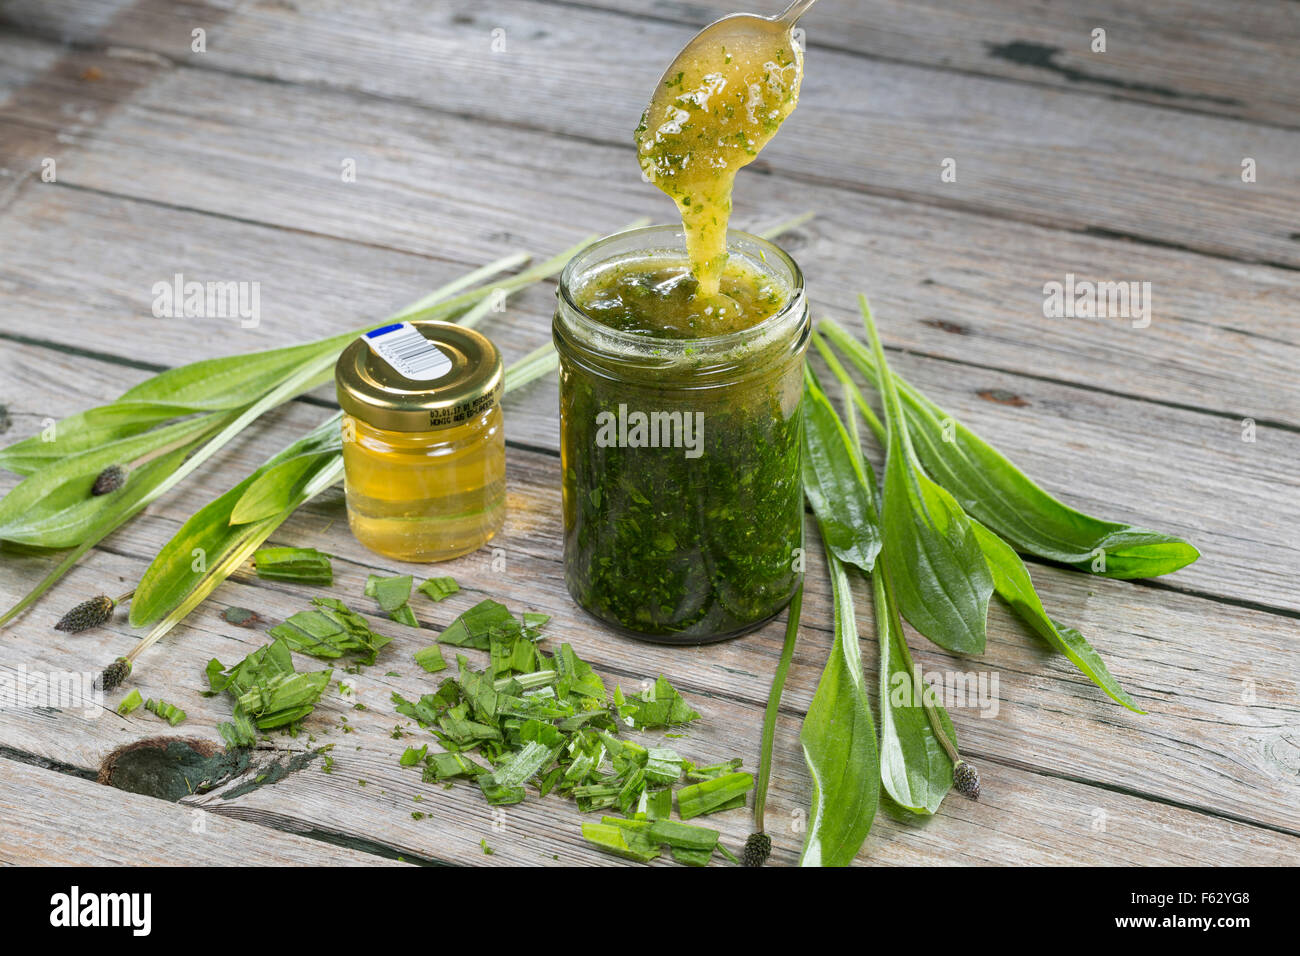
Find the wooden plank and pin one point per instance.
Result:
(1166, 176)
(1236, 741)
(53, 819)
(949, 284)
(1216, 678)
(1234, 60)
(1024, 817)
(1102, 452)
(1192, 54)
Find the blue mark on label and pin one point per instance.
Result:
(375, 333)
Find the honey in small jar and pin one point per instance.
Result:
(423, 440)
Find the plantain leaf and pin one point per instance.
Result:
(942, 580)
(232, 381)
(915, 770)
(275, 486)
(991, 489)
(85, 431)
(838, 482)
(209, 534)
(54, 507)
(1011, 578)
(839, 744)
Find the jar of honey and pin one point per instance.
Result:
(423, 439)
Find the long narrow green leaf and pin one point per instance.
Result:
(1011, 578)
(991, 489)
(85, 431)
(943, 582)
(277, 485)
(210, 533)
(239, 547)
(534, 365)
(54, 507)
(231, 381)
(839, 484)
(839, 744)
(915, 770)
(772, 711)
(125, 508)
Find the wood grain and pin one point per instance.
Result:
(1188, 55)
(1179, 470)
(1220, 686)
(226, 165)
(1166, 176)
(1195, 55)
(52, 819)
(252, 151)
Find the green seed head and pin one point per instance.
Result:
(87, 614)
(966, 780)
(114, 674)
(110, 479)
(757, 849)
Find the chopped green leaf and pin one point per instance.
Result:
(620, 841)
(168, 712)
(474, 627)
(430, 658)
(658, 706)
(299, 565)
(710, 796)
(130, 702)
(440, 588)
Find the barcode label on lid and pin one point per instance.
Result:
(408, 352)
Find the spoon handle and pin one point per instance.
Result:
(794, 12)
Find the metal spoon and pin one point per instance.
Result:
(736, 26)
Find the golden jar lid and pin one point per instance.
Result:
(419, 376)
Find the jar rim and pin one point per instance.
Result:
(795, 303)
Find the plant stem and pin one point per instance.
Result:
(532, 366)
(851, 389)
(442, 294)
(918, 687)
(773, 706)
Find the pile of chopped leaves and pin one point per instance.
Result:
(268, 692)
(528, 719)
(546, 720)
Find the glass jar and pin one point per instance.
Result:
(424, 458)
(683, 507)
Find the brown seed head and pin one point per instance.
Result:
(87, 614)
(110, 479)
(114, 674)
(966, 780)
(757, 849)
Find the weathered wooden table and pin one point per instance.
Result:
(211, 140)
